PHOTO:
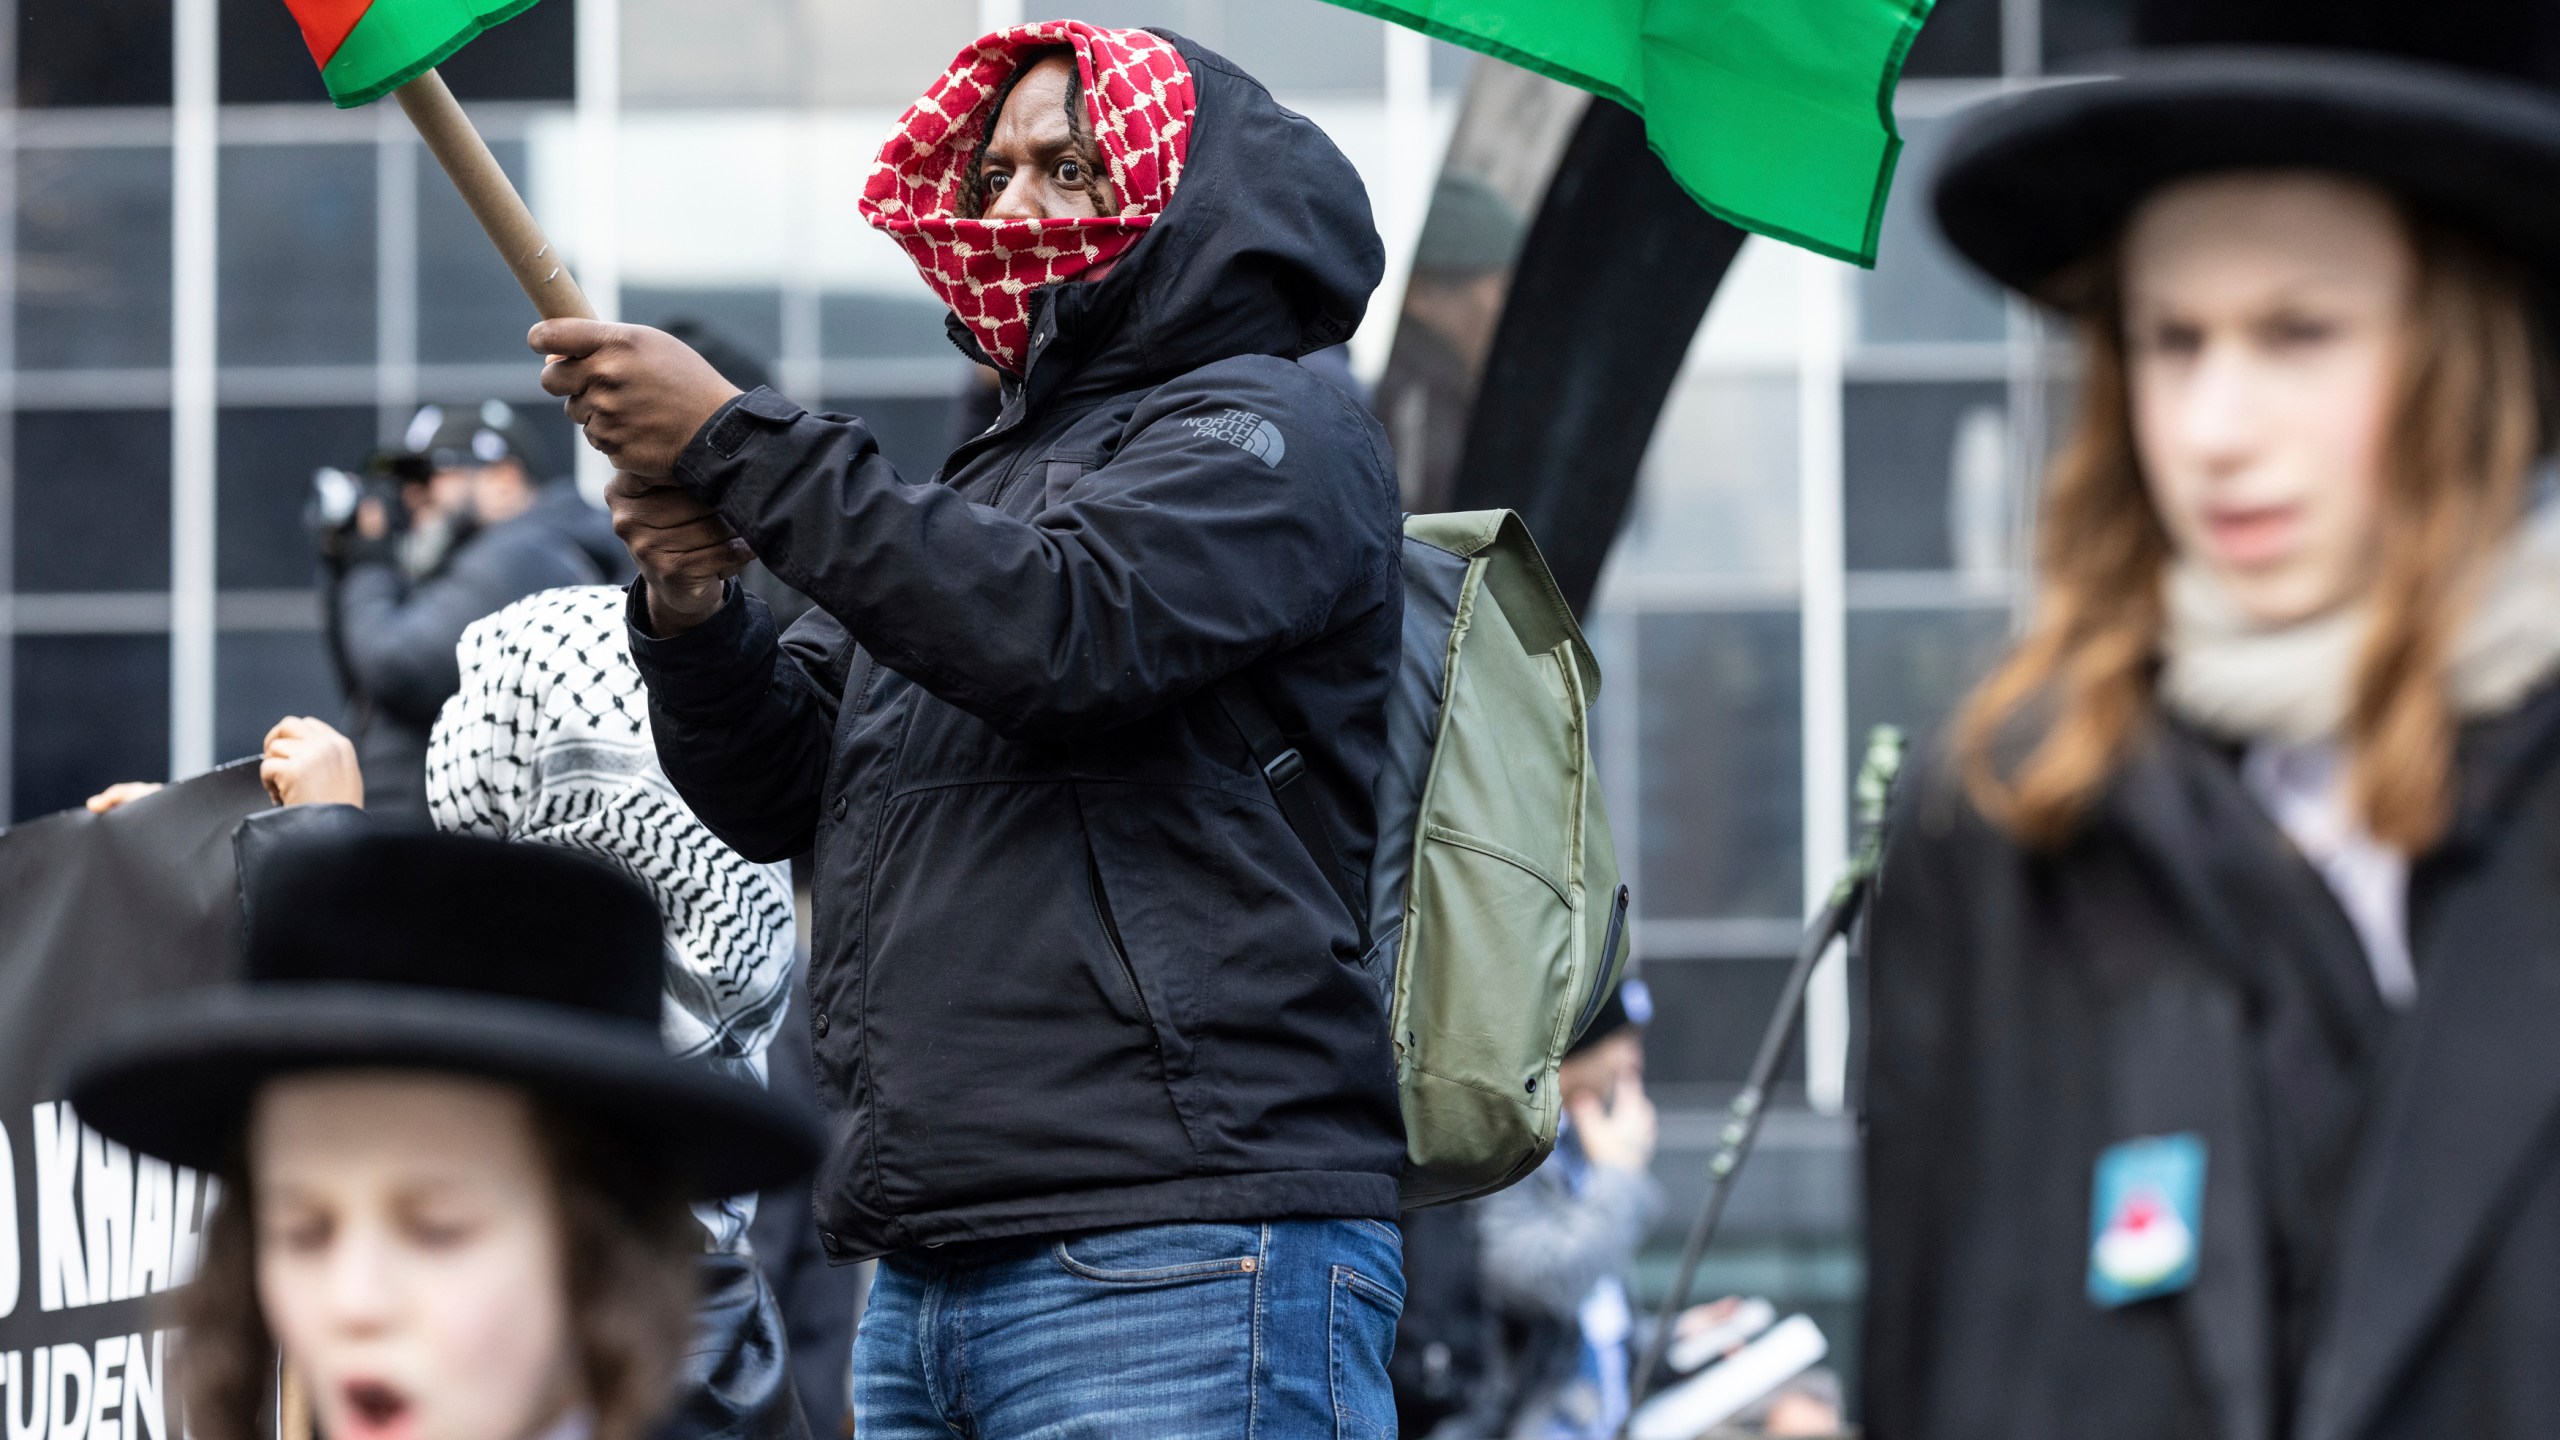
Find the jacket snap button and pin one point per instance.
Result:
(838, 811)
(822, 1026)
(827, 1238)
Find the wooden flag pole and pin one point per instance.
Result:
(492, 198)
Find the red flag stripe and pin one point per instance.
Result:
(325, 23)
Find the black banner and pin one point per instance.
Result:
(97, 912)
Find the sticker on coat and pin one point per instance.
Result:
(2146, 1217)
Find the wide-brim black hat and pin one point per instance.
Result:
(2449, 108)
(438, 953)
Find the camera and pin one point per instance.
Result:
(338, 498)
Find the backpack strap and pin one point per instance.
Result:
(1282, 769)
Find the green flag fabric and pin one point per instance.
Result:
(368, 48)
(1777, 115)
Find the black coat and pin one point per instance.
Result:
(2380, 1245)
(395, 640)
(1071, 967)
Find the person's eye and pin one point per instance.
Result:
(993, 181)
(2298, 331)
(1071, 172)
(2172, 339)
(299, 1234)
(441, 1232)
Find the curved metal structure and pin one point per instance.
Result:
(1536, 384)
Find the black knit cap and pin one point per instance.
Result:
(518, 963)
(1629, 1006)
(2448, 106)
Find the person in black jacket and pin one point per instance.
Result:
(2211, 1087)
(1108, 1067)
(487, 532)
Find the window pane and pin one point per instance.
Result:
(94, 52)
(92, 500)
(1707, 1018)
(532, 57)
(262, 676)
(751, 320)
(266, 458)
(297, 242)
(2079, 32)
(469, 307)
(93, 258)
(1919, 290)
(1912, 667)
(1718, 489)
(914, 433)
(860, 325)
(885, 52)
(90, 710)
(264, 59)
(724, 52)
(1296, 45)
(1928, 487)
(1962, 38)
(1721, 765)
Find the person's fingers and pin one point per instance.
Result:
(653, 515)
(573, 338)
(121, 794)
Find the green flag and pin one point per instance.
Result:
(1777, 115)
(368, 48)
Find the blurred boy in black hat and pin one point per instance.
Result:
(2210, 1088)
(455, 1154)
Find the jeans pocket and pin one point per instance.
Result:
(1163, 1254)
(1361, 1331)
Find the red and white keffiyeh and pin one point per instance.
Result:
(1137, 91)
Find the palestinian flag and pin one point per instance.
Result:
(1776, 115)
(369, 48)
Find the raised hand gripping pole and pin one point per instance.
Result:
(492, 198)
(1876, 772)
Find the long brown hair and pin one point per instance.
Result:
(629, 1246)
(2077, 690)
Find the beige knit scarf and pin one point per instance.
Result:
(2292, 683)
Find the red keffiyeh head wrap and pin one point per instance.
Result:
(1137, 91)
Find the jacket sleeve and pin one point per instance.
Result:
(399, 640)
(1545, 1247)
(1918, 1127)
(745, 719)
(1247, 501)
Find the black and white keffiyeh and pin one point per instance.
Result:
(548, 741)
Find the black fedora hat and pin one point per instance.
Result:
(444, 953)
(2449, 107)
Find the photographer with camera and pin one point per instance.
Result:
(458, 527)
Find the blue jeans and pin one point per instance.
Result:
(1220, 1331)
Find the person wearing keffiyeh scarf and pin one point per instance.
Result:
(1104, 1049)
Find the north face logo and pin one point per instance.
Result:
(1244, 430)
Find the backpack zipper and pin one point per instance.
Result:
(1608, 962)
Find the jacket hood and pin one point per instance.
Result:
(1267, 248)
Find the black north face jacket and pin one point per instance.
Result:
(1072, 968)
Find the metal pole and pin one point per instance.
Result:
(194, 212)
(1742, 1119)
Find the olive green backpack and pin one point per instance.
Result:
(1496, 919)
